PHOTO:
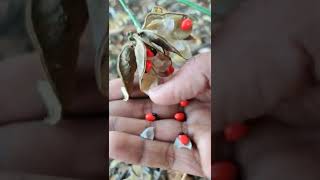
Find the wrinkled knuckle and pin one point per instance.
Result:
(170, 156)
(113, 123)
(146, 107)
(142, 153)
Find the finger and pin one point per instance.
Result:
(194, 78)
(199, 113)
(199, 128)
(302, 111)
(139, 107)
(273, 150)
(254, 78)
(20, 99)
(115, 90)
(67, 150)
(132, 149)
(165, 130)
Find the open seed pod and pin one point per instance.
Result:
(167, 24)
(150, 68)
(55, 28)
(126, 68)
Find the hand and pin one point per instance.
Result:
(126, 122)
(266, 63)
(74, 148)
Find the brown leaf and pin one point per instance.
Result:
(126, 68)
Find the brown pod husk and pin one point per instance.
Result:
(148, 81)
(126, 67)
(55, 28)
(155, 21)
(161, 62)
(140, 53)
(150, 36)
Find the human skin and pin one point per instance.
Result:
(273, 69)
(266, 66)
(73, 148)
(126, 122)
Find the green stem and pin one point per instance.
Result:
(132, 17)
(196, 6)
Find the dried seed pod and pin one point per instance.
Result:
(140, 53)
(148, 81)
(55, 28)
(126, 67)
(149, 36)
(166, 23)
(161, 62)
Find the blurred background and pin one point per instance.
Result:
(119, 25)
(13, 35)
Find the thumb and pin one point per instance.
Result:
(191, 80)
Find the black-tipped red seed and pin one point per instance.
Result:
(235, 131)
(148, 66)
(184, 103)
(150, 117)
(170, 70)
(180, 116)
(184, 139)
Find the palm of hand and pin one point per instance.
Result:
(126, 122)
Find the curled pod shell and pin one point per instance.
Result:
(149, 37)
(146, 80)
(168, 24)
(55, 28)
(126, 67)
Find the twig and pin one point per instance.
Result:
(132, 17)
(196, 6)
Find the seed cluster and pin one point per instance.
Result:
(179, 116)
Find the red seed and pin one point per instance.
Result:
(149, 53)
(184, 139)
(170, 70)
(150, 117)
(186, 24)
(148, 66)
(223, 170)
(179, 116)
(184, 103)
(235, 131)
